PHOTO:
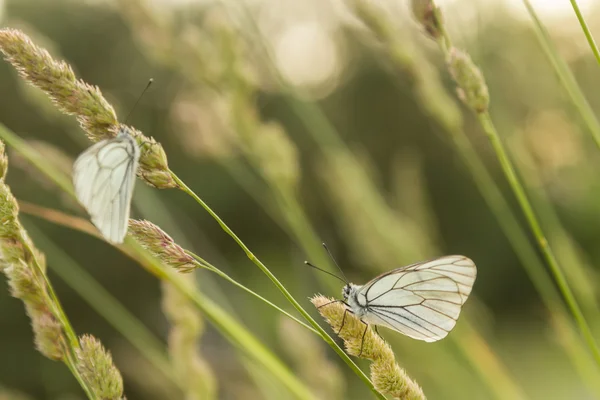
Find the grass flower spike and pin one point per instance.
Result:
(96, 366)
(386, 375)
(161, 245)
(25, 285)
(75, 97)
(25, 267)
(427, 15)
(471, 86)
(57, 79)
(472, 90)
(153, 168)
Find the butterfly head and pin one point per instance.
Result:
(346, 291)
(124, 131)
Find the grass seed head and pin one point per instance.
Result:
(161, 245)
(96, 367)
(388, 378)
(471, 86)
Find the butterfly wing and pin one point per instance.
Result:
(422, 300)
(104, 176)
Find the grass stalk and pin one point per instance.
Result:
(565, 75)
(72, 365)
(202, 263)
(79, 224)
(103, 302)
(72, 343)
(280, 286)
(156, 268)
(569, 253)
(555, 268)
(228, 326)
(310, 114)
(237, 334)
(578, 353)
(25, 269)
(473, 92)
(586, 31)
(442, 108)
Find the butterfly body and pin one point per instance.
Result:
(350, 293)
(104, 177)
(422, 300)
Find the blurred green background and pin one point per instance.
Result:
(277, 177)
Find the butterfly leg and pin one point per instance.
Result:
(331, 302)
(343, 321)
(377, 331)
(362, 341)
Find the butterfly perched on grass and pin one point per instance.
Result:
(104, 177)
(422, 300)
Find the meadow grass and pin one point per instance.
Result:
(392, 235)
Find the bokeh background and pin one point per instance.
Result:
(355, 149)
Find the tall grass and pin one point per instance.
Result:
(472, 90)
(228, 65)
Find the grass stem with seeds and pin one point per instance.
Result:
(472, 90)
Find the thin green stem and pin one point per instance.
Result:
(432, 102)
(300, 227)
(486, 123)
(106, 305)
(86, 285)
(280, 286)
(578, 353)
(202, 263)
(509, 224)
(318, 125)
(166, 273)
(515, 184)
(72, 342)
(237, 334)
(565, 76)
(444, 110)
(58, 310)
(71, 363)
(569, 253)
(152, 207)
(586, 31)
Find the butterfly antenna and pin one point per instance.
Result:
(322, 270)
(335, 262)
(139, 98)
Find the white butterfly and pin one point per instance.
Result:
(421, 300)
(104, 176)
